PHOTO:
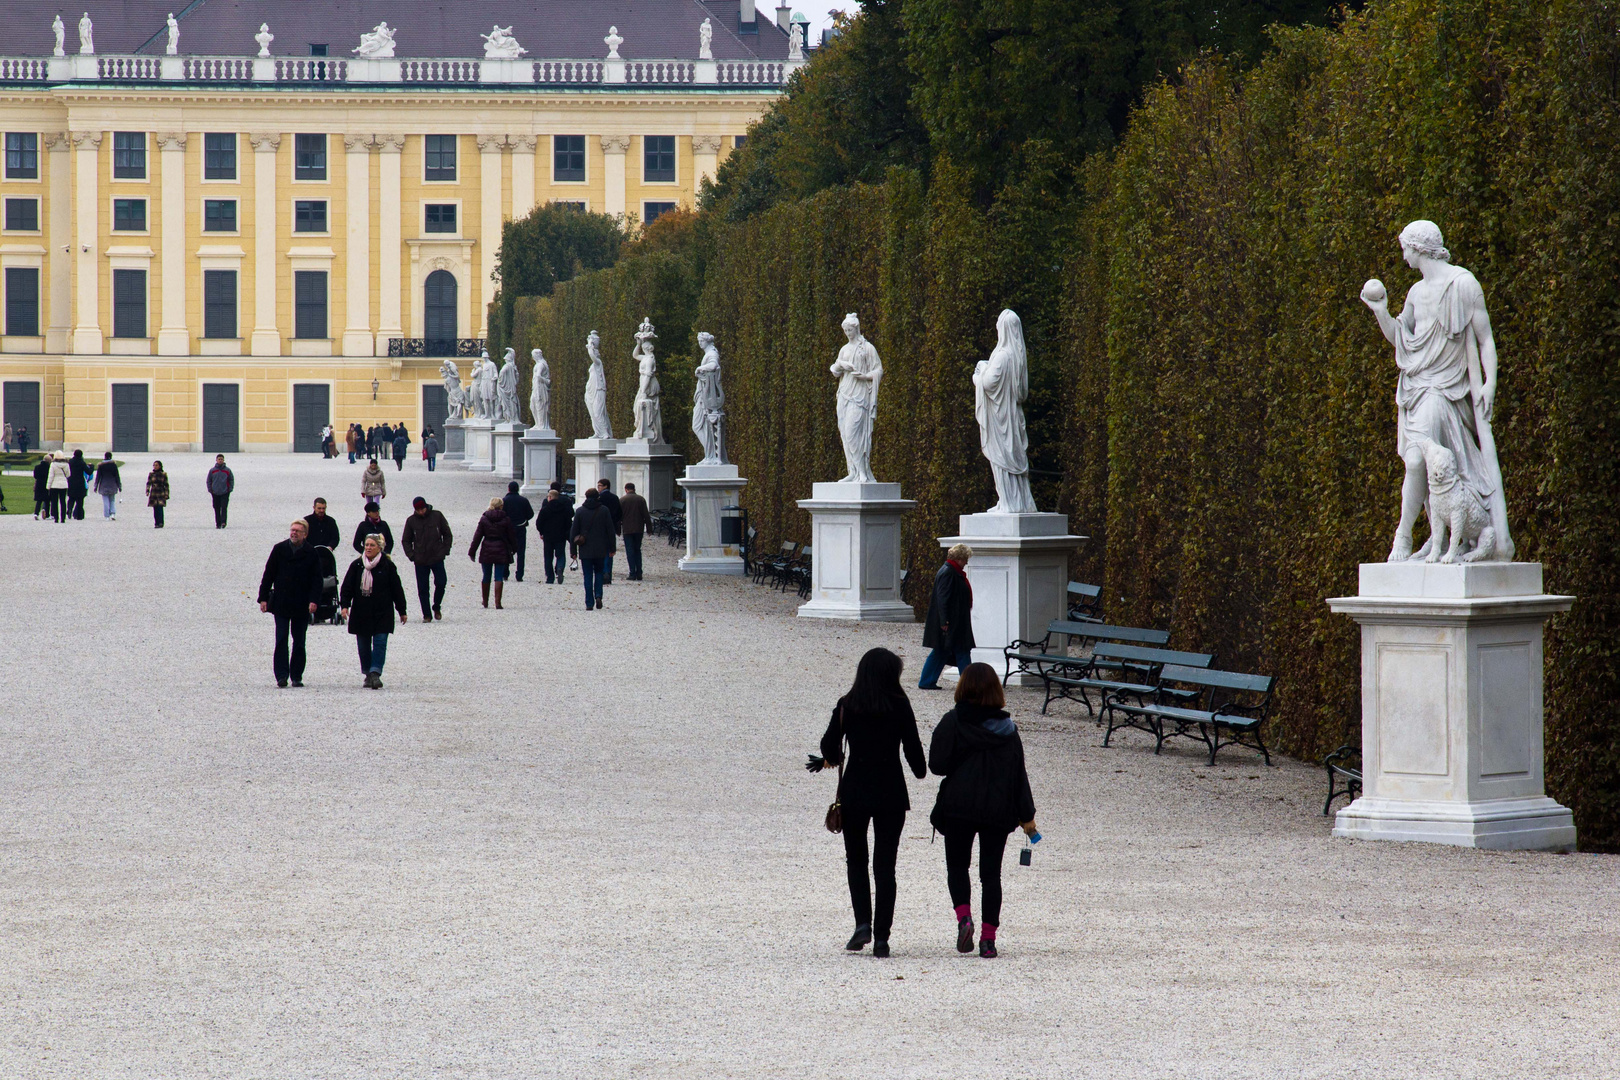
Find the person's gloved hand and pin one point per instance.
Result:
(816, 763)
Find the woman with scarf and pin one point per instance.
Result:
(157, 492)
(949, 629)
(371, 593)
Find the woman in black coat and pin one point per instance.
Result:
(985, 793)
(370, 595)
(78, 485)
(876, 719)
(492, 547)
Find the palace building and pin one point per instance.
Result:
(227, 228)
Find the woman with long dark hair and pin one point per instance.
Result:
(875, 718)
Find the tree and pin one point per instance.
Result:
(553, 243)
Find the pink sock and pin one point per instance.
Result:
(963, 912)
(987, 932)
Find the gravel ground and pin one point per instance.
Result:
(581, 845)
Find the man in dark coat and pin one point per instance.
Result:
(426, 540)
(373, 523)
(291, 590)
(519, 511)
(604, 493)
(556, 514)
(402, 442)
(591, 535)
(220, 482)
(323, 528)
(949, 629)
(634, 517)
(42, 490)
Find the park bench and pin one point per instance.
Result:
(1228, 701)
(768, 568)
(1123, 668)
(1085, 602)
(1033, 655)
(797, 573)
(1345, 762)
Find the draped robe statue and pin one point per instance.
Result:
(649, 411)
(506, 390)
(540, 390)
(455, 398)
(596, 390)
(483, 388)
(709, 403)
(859, 371)
(1000, 385)
(1447, 388)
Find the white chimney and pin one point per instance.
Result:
(745, 15)
(784, 16)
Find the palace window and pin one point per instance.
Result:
(739, 141)
(658, 159)
(439, 218)
(129, 215)
(219, 156)
(652, 211)
(22, 215)
(22, 155)
(129, 303)
(318, 49)
(219, 215)
(568, 158)
(22, 301)
(440, 160)
(309, 303)
(129, 156)
(309, 157)
(309, 216)
(219, 303)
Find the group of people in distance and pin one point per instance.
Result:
(62, 481)
(379, 441)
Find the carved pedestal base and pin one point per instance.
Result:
(855, 560)
(480, 453)
(651, 467)
(539, 462)
(709, 488)
(507, 442)
(592, 462)
(455, 440)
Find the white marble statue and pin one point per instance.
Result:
(596, 390)
(859, 371)
(483, 388)
(499, 44)
(378, 44)
(613, 41)
(705, 41)
(455, 398)
(709, 403)
(1446, 392)
(540, 390)
(649, 410)
(173, 48)
(796, 42)
(1000, 385)
(264, 37)
(87, 43)
(61, 32)
(506, 390)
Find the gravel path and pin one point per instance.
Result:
(581, 845)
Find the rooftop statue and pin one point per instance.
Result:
(378, 44)
(796, 42)
(264, 37)
(173, 48)
(60, 31)
(705, 41)
(499, 44)
(613, 41)
(87, 43)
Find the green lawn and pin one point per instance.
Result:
(19, 492)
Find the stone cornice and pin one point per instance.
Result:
(615, 144)
(83, 139)
(171, 140)
(265, 140)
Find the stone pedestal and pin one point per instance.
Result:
(1451, 722)
(708, 488)
(507, 442)
(480, 452)
(855, 559)
(1020, 577)
(539, 462)
(651, 467)
(592, 463)
(455, 439)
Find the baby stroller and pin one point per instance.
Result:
(326, 611)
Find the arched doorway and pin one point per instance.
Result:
(439, 313)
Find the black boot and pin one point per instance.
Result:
(862, 935)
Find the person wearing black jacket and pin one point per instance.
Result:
(519, 511)
(401, 442)
(985, 793)
(42, 489)
(373, 523)
(948, 630)
(592, 536)
(291, 590)
(875, 718)
(551, 522)
(323, 528)
(78, 485)
(604, 492)
(370, 595)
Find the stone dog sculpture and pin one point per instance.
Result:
(1455, 508)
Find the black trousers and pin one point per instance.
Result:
(886, 828)
(556, 557)
(422, 572)
(520, 550)
(222, 504)
(959, 853)
(157, 515)
(632, 554)
(294, 624)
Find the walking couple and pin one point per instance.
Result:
(985, 792)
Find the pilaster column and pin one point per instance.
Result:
(491, 148)
(59, 243)
(87, 199)
(266, 338)
(614, 148)
(174, 339)
(705, 159)
(357, 337)
(390, 279)
(522, 175)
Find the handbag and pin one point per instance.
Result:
(835, 812)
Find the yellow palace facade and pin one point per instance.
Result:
(218, 252)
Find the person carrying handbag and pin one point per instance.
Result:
(876, 720)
